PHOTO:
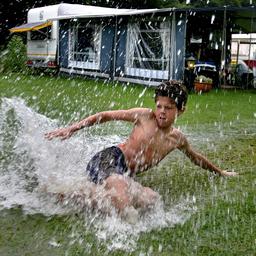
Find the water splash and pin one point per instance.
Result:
(34, 170)
(120, 235)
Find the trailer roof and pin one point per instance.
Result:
(244, 16)
(39, 17)
(69, 11)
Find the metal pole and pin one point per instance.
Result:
(238, 49)
(170, 50)
(223, 54)
(114, 52)
(185, 49)
(173, 47)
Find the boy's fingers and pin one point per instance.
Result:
(51, 135)
(66, 136)
(47, 136)
(230, 174)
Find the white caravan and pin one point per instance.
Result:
(42, 43)
(43, 28)
(42, 36)
(243, 48)
(43, 31)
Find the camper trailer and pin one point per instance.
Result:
(142, 46)
(42, 36)
(42, 29)
(243, 50)
(42, 41)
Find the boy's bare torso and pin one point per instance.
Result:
(148, 144)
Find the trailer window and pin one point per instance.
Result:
(148, 45)
(85, 45)
(41, 34)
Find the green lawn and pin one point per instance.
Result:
(221, 124)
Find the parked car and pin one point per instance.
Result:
(208, 70)
(201, 69)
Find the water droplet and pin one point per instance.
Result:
(112, 104)
(143, 92)
(212, 19)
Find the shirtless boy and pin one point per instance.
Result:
(152, 138)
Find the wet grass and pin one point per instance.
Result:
(69, 99)
(224, 223)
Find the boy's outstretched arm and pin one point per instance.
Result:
(130, 115)
(201, 160)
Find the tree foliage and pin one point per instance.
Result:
(14, 58)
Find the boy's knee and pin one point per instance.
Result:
(147, 198)
(116, 181)
(150, 194)
(120, 201)
(117, 190)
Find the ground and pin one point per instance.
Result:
(220, 123)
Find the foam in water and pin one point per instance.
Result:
(34, 169)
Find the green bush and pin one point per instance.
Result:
(13, 58)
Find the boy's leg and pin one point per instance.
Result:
(124, 192)
(146, 198)
(107, 166)
(117, 188)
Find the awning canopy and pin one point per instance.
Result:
(98, 12)
(31, 26)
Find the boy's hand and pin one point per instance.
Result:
(64, 133)
(228, 174)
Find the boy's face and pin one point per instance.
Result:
(166, 111)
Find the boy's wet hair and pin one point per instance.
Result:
(174, 90)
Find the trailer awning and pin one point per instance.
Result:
(31, 26)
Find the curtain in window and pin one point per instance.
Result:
(148, 46)
(132, 40)
(85, 45)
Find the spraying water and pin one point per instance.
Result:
(34, 171)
